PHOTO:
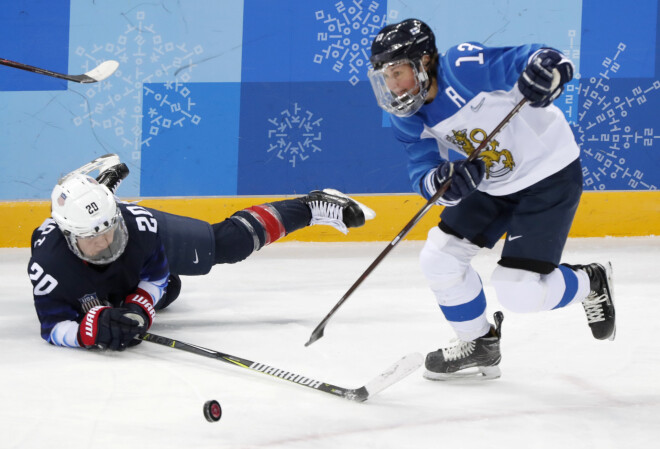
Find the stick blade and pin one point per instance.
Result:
(316, 334)
(401, 369)
(101, 72)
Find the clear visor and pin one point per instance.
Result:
(103, 247)
(400, 87)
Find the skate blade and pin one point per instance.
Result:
(610, 283)
(369, 214)
(472, 374)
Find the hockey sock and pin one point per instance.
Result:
(253, 228)
(295, 214)
(272, 221)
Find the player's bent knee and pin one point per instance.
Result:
(519, 291)
(445, 259)
(438, 265)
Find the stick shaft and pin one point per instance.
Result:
(348, 393)
(99, 73)
(29, 68)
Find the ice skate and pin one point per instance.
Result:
(111, 171)
(333, 208)
(112, 176)
(477, 359)
(599, 304)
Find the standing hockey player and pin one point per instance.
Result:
(101, 268)
(526, 183)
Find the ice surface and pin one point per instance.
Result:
(559, 386)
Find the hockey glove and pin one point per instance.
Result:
(544, 77)
(111, 328)
(141, 304)
(465, 177)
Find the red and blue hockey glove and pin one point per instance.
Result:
(141, 303)
(110, 328)
(115, 328)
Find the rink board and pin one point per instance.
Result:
(600, 214)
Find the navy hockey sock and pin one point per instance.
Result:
(253, 228)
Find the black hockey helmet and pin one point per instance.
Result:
(398, 77)
(409, 39)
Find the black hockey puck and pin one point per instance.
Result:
(212, 411)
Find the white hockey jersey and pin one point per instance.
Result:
(476, 90)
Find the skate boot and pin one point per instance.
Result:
(333, 208)
(468, 359)
(599, 304)
(111, 170)
(112, 176)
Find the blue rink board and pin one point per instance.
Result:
(619, 134)
(322, 40)
(244, 66)
(23, 26)
(296, 137)
(198, 156)
(625, 30)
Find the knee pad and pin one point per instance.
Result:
(171, 292)
(445, 261)
(524, 291)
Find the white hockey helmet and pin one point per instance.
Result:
(87, 214)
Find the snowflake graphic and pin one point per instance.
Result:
(146, 58)
(168, 113)
(608, 126)
(294, 135)
(348, 35)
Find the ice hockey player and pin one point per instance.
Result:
(101, 268)
(526, 184)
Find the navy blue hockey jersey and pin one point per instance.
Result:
(66, 287)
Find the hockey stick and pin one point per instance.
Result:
(393, 374)
(99, 73)
(318, 332)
